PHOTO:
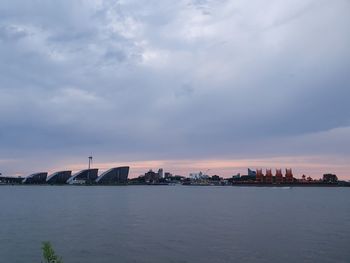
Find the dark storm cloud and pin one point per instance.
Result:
(165, 79)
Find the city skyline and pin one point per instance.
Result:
(187, 86)
(225, 168)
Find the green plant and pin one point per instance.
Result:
(49, 254)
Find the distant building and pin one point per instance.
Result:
(268, 177)
(167, 175)
(259, 176)
(151, 177)
(60, 177)
(117, 175)
(251, 172)
(83, 177)
(215, 178)
(36, 178)
(198, 176)
(11, 180)
(289, 176)
(161, 173)
(330, 178)
(279, 176)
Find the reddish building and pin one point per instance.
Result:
(289, 176)
(259, 176)
(268, 177)
(279, 176)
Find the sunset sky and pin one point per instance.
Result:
(186, 85)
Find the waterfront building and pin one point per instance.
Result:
(117, 175)
(36, 178)
(251, 172)
(161, 173)
(279, 176)
(199, 176)
(215, 178)
(60, 177)
(268, 177)
(151, 177)
(289, 176)
(83, 177)
(259, 176)
(11, 180)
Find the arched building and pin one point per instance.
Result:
(117, 175)
(60, 177)
(36, 178)
(83, 177)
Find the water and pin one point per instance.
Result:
(175, 224)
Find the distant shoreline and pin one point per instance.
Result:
(190, 185)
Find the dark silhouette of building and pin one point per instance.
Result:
(151, 177)
(215, 178)
(60, 177)
(36, 178)
(11, 180)
(83, 177)
(117, 175)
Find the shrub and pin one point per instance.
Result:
(49, 254)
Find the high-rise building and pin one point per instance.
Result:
(161, 173)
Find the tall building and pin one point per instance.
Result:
(161, 173)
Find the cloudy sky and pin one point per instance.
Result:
(186, 85)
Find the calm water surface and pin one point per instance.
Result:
(175, 224)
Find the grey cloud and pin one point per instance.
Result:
(167, 80)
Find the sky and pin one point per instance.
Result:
(186, 85)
